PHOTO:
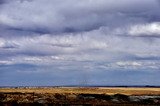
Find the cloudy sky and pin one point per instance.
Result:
(79, 42)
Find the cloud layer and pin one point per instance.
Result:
(72, 16)
(84, 37)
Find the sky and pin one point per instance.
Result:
(79, 42)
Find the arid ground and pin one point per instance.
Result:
(70, 96)
(87, 90)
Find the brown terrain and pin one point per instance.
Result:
(79, 96)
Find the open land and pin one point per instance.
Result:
(71, 96)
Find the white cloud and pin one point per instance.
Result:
(149, 29)
(62, 44)
(5, 62)
(128, 63)
(2, 42)
(7, 44)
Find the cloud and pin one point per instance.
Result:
(148, 30)
(64, 39)
(1, 1)
(93, 46)
(152, 65)
(7, 44)
(128, 64)
(65, 16)
(3, 62)
(1, 42)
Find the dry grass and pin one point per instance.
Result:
(76, 90)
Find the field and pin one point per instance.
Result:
(71, 96)
(96, 90)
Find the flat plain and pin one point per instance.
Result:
(87, 90)
(79, 96)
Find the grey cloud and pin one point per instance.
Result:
(82, 47)
(59, 37)
(2, 1)
(65, 16)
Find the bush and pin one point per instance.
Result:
(121, 97)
